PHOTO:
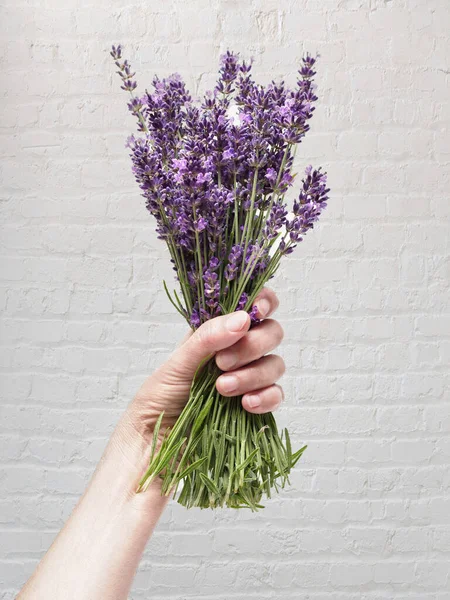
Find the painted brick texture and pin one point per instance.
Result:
(364, 302)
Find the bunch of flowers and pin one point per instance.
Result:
(214, 177)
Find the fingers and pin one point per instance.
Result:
(267, 303)
(264, 400)
(259, 374)
(256, 343)
(256, 381)
(219, 333)
(214, 335)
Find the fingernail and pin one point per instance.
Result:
(228, 383)
(227, 359)
(237, 321)
(263, 307)
(253, 401)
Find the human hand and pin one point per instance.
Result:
(111, 521)
(239, 352)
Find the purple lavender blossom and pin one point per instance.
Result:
(234, 260)
(312, 200)
(253, 315)
(271, 174)
(124, 70)
(212, 286)
(276, 220)
(215, 176)
(242, 301)
(195, 320)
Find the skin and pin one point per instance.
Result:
(96, 554)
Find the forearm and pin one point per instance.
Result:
(96, 554)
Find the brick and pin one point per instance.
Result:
(367, 540)
(349, 575)
(433, 325)
(441, 539)
(399, 419)
(394, 573)
(226, 541)
(367, 451)
(355, 143)
(432, 574)
(409, 540)
(412, 452)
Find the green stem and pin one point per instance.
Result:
(249, 215)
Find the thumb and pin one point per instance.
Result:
(214, 335)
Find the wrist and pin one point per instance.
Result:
(122, 466)
(128, 450)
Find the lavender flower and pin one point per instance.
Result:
(234, 261)
(210, 179)
(212, 286)
(242, 301)
(124, 70)
(253, 315)
(312, 200)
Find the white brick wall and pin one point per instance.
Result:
(364, 302)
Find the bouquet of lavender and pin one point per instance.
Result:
(214, 178)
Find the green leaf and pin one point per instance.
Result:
(185, 494)
(180, 310)
(192, 467)
(246, 462)
(206, 446)
(297, 455)
(229, 438)
(278, 459)
(201, 417)
(169, 455)
(288, 447)
(249, 500)
(178, 299)
(210, 484)
(251, 476)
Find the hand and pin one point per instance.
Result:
(111, 521)
(239, 352)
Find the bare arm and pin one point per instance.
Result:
(96, 554)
